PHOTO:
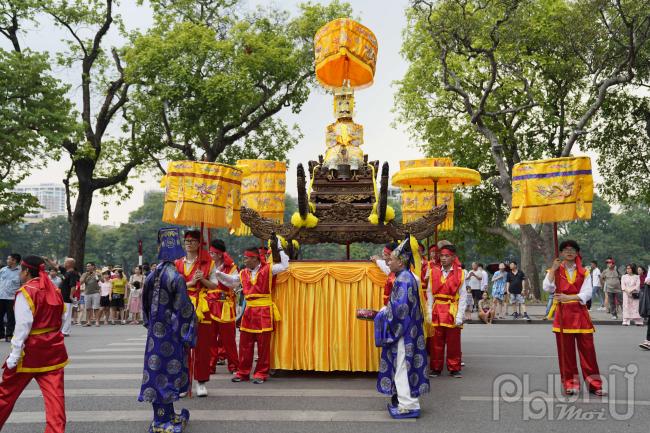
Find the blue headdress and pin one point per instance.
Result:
(169, 244)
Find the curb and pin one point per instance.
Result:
(539, 322)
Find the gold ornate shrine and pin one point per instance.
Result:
(342, 203)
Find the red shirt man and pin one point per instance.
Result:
(260, 313)
(446, 304)
(571, 286)
(38, 351)
(198, 270)
(221, 301)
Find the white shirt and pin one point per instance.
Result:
(594, 274)
(462, 297)
(233, 280)
(475, 280)
(485, 280)
(585, 291)
(381, 263)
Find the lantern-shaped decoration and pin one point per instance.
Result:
(346, 54)
(263, 189)
(551, 190)
(418, 200)
(205, 193)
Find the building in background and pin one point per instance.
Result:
(50, 195)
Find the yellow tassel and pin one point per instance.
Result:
(374, 216)
(296, 244)
(309, 222)
(390, 213)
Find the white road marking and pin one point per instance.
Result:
(592, 400)
(220, 392)
(144, 416)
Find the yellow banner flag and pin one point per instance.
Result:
(551, 190)
(202, 192)
(262, 189)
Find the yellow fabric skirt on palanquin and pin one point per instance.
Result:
(319, 330)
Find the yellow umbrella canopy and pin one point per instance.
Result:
(552, 190)
(346, 54)
(442, 176)
(262, 189)
(417, 201)
(198, 192)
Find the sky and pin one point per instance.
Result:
(373, 105)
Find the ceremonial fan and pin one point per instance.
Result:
(205, 194)
(552, 191)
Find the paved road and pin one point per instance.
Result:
(103, 379)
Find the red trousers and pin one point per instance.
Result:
(247, 349)
(449, 337)
(51, 384)
(204, 339)
(224, 343)
(588, 363)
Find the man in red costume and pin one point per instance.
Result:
(221, 301)
(446, 304)
(257, 322)
(571, 286)
(37, 348)
(382, 263)
(198, 270)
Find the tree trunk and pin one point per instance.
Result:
(528, 248)
(81, 214)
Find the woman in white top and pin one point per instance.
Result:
(105, 292)
(631, 286)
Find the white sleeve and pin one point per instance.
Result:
(462, 303)
(484, 280)
(586, 290)
(383, 266)
(547, 285)
(228, 280)
(283, 265)
(213, 275)
(647, 280)
(24, 320)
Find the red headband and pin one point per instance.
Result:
(40, 268)
(251, 254)
(447, 251)
(433, 248)
(387, 251)
(218, 252)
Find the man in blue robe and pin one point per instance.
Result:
(400, 334)
(171, 331)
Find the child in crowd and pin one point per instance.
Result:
(470, 304)
(135, 304)
(486, 309)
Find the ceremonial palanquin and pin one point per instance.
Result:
(342, 203)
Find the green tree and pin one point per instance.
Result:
(210, 79)
(34, 114)
(495, 82)
(622, 139)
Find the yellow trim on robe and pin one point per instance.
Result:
(202, 306)
(42, 331)
(29, 300)
(263, 300)
(575, 331)
(21, 369)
